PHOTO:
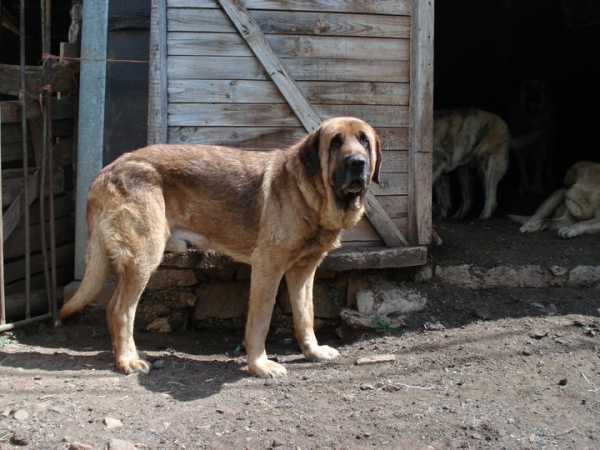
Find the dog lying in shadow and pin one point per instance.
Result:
(573, 210)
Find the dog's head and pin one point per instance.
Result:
(533, 95)
(346, 151)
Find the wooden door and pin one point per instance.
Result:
(259, 74)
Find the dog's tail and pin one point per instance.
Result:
(96, 270)
(525, 140)
(517, 218)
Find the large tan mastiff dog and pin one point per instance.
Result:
(279, 211)
(572, 211)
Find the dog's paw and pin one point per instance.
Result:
(265, 368)
(134, 365)
(568, 233)
(321, 353)
(532, 227)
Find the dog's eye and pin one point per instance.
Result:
(364, 140)
(336, 142)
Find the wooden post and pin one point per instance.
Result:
(421, 123)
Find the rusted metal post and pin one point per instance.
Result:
(25, 161)
(47, 163)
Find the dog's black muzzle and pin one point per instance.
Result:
(356, 173)
(353, 175)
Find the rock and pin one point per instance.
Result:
(158, 364)
(169, 278)
(222, 300)
(582, 276)
(383, 306)
(160, 325)
(80, 446)
(112, 423)
(119, 444)
(19, 438)
(21, 415)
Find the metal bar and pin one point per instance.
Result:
(25, 161)
(46, 49)
(2, 297)
(44, 174)
(20, 323)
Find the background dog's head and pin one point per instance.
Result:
(533, 95)
(346, 151)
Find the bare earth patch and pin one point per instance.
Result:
(494, 368)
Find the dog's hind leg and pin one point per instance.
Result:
(443, 197)
(136, 247)
(541, 219)
(465, 181)
(492, 170)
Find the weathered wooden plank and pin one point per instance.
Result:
(421, 113)
(391, 184)
(15, 211)
(225, 115)
(61, 78)
(63, 207)
(383, 223)
(279, 115)
(11, 110)
(14, 151)
(394, 161)
(157, 83)
(12, 184)
(64, 274)
(323, 47)
(293, 22)
(396, 206)
(364, 231)
(248, 68)
(15, 270)
(13, 247)
(269, 137)
(396, 7)
(348, 258)
(316, 92)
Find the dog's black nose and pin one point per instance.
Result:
(356, 162)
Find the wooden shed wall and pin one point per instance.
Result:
(346, 57)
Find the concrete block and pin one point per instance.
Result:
(222, 300)
(170, 278)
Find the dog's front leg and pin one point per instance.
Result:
(264, 283)
(300, 281)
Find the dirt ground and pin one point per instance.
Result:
(501, 369)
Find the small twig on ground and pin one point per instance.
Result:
(423, 388)
(560, 433)
(595, 388)
(407, 386)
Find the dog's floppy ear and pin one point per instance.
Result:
(309, 153)
(377, 160)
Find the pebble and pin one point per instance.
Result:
(21, 415)
(80, 446)
(119, 444)
(19, 439)
(158, 364)
(112, 423)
